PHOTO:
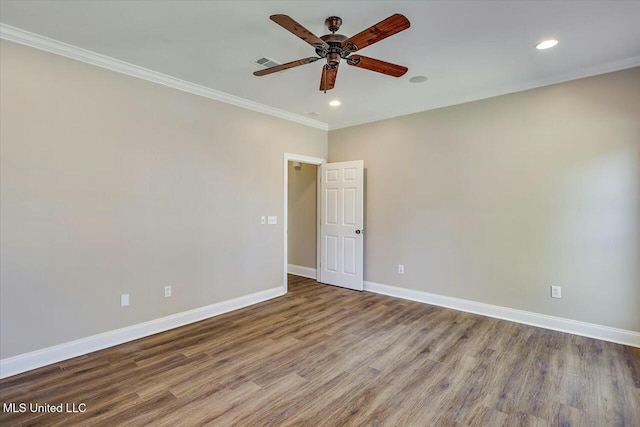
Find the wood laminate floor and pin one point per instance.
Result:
(323, 355)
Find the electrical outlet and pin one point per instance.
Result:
(124, 300)
(556, 292)
(272, 220)
(167, 291)
(263, 220)
(400, 269)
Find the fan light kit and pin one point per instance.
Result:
(546, 44)
(334, 47)
(335, 103)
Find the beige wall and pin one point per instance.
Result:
(302, 215)
(496, 200)
(112, 184)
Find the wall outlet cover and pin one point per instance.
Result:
(124, 300)
(273, 220)
(556, 292)
(167, 291)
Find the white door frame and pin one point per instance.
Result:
(289, 157)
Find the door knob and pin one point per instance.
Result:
(358, 231)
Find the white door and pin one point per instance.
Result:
(341, 224)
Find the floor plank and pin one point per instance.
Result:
(323, 355)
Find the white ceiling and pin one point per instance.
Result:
(468, 49)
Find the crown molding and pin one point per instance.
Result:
(18, 35)
(47, 44)
(583, 73)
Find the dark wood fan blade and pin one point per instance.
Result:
(286, 66)
(292, 26)
(328, 79)
(383, 29)
(376, 65)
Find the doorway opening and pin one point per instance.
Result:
(302, 219)
(301, 225)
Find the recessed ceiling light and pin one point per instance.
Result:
(418, 79)
(334, 103)
(546, 44)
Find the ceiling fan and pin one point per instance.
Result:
(334, 47)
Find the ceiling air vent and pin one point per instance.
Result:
(267, 62)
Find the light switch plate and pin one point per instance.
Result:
(263, 220)
(272, 220)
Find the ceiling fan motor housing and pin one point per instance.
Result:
(336, 50)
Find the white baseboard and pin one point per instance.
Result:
(606, 333)
(46, 356)
(298, 270)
